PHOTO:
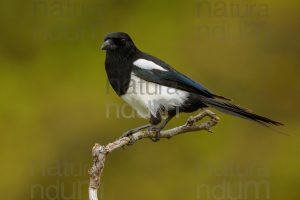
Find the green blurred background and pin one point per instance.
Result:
(55, 101)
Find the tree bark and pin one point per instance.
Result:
(100, 152)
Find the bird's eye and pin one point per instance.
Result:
(123, 41)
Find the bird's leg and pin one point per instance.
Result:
(154, 120)
(137, 129)
(157, 129)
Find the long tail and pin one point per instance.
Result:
(238, 111)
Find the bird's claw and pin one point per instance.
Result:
(157, 130)
(127, 134)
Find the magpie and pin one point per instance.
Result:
(156, 90)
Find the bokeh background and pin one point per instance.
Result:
(55, 101)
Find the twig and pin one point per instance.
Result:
(100, 152)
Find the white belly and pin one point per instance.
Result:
(148, 98)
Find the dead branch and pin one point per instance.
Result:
(99, 152)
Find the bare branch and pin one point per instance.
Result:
(100, 152)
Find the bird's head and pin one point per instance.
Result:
(118, 42)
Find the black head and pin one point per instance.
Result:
(118, 42)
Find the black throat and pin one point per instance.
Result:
(118, 66)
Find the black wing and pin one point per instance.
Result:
(174, 79)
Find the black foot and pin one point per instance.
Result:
(127, 133)
(132, 131)
(157, 131)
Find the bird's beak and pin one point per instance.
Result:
(108, 45)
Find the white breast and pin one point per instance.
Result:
(147, 97)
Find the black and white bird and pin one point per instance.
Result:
(155, 89)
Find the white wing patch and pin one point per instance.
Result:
(146, 64)
(148, 98)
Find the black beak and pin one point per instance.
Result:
(108, 45)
